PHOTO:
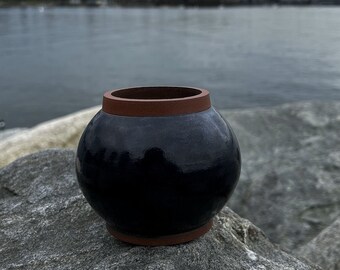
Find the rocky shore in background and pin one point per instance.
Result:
(289, 187)
(60, 132)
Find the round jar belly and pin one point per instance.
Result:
(157, 163)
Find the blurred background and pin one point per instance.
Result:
(57, 57)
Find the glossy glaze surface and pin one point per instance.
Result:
(154, 176)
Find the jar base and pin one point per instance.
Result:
(166, 240)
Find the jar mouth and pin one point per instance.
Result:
(154, 92)
(156, 101)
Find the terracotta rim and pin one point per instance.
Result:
(156, 101)
(163, 240)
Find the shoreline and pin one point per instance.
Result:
(233, 110)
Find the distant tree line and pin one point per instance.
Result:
(168, 2)
(222, 2)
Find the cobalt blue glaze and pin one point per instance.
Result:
(155, 176)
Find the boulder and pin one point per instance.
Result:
(60, 132)
(290, 182)
(324, 249)
(289, 185)
(46, 223)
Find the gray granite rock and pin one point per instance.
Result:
(324, 249)
(45, 223)
(290, 181)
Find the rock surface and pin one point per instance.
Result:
(4, 134)
(45, 223)
(290, 182)
(61, 132)
(324, 250)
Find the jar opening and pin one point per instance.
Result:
(156, 93)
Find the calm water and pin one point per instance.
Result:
(59, 60)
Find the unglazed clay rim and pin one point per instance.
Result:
(166, 240)
(156, 107)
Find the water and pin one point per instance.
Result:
(59, 60)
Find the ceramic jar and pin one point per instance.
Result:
(157, 164)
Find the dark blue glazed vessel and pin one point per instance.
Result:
(157, 164)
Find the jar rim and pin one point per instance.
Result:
(156, 101)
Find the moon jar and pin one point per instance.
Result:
(157, 164)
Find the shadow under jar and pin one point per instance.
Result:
(157, 164)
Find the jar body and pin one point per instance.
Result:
(155, 176)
